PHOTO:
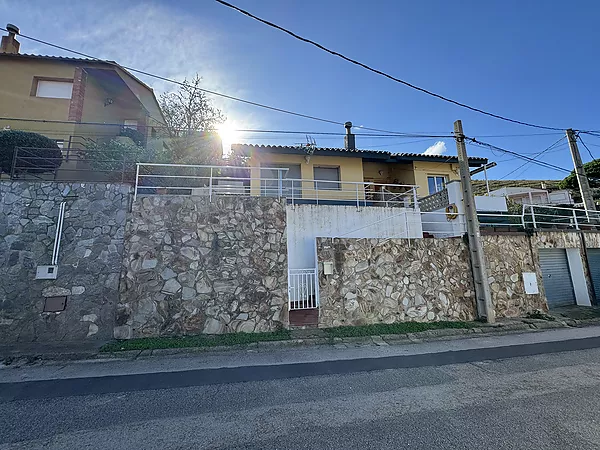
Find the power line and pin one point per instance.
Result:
(406, 135)
(518, 155)
(586, 147)
(379, 72)
(539, 163)
(517, 135)
(169, 80)
(535, 157)
(364, 135)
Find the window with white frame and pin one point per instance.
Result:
(325, 178)
(54, 89)
(436, 183)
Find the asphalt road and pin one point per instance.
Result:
(545, 401)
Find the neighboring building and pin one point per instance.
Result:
(342, 168)
(528, 192)
(72, 99)
(531, 196)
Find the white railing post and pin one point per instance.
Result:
(279, 183)
(137, 177)
(533, 217)
(210, 180)
(415, 198)
(292, 194)
(304, 291)
(316, 184)
(575, 220)
(357, 198)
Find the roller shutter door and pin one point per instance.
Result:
(557, 278)
(594, 263)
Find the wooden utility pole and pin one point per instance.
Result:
(582, 179)
(485, 307)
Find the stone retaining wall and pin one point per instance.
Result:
(195, 266)
(507, 257)
(394, 280)
(89, 266)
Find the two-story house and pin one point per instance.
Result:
(71, 100)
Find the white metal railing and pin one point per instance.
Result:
(359, 193)
(444, 224)
(156, 179)
(544, 216)
(303, 289)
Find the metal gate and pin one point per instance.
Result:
(593, 255)
(302, 289)
(557, 277)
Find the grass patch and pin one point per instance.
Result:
(394, 328)
(194, 341)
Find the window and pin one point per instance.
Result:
(436, 183)
(132, 124)
(54, 89)
(270, 180)
(327, 174)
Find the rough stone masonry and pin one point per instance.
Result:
(89, 262)
(394, 280)
(195, 266)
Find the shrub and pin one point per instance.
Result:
(116, 158)
(592, 170)
(42, 154)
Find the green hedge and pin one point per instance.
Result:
(41, 154)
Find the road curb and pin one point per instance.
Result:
(498, 329)
(143, 381)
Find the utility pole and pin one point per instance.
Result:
(485, 307)
(584, 184)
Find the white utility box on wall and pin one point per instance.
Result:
(46, 272)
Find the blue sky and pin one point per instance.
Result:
(526, 60)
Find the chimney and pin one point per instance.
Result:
(9, 43)
(349, 140)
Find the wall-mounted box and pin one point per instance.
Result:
(46, 272)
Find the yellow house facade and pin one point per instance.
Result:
(341, 171)
(69, 99)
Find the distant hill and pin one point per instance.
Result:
(479, 185)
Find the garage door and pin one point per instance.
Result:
(557, 278)
(594, 263)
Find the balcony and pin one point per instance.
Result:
(210, 181)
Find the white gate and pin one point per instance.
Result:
(303, 289)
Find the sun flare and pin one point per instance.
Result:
(229, 135)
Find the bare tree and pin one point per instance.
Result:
(189, 115)
(189, 109)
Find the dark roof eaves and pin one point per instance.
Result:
(474, 161)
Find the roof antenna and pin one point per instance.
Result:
(309, 148)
